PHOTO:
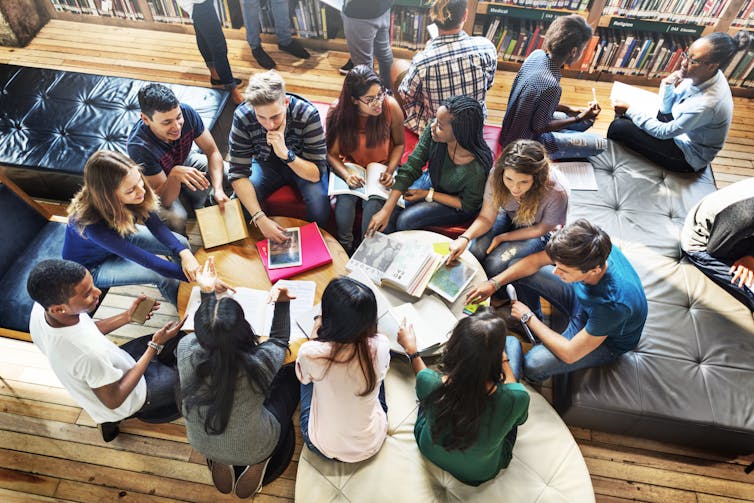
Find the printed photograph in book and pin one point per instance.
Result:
(286, 253)
(374, 255)
(450, 281)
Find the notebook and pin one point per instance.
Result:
(314, 253)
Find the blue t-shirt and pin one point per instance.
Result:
(616, 307)
(156, 155)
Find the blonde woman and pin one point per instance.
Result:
(115, 232)
(523, 203)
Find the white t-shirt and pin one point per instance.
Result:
(342, 424)
(82, 359)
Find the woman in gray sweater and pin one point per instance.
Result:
(238, 399)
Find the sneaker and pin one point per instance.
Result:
(222, 476)
(250, 481)
(264, 59)
(346, 68)
(295, 48)
(109, 430)
(216, 82)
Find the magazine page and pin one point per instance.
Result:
(338, 186)
(373, 185)
(450, 281)
(374, 255)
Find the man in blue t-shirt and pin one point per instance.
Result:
(592, 283)
(161, 141)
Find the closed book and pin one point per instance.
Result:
(314, 253)
(221, 227)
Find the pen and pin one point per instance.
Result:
(594, 94)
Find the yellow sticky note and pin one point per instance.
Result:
(442, 248)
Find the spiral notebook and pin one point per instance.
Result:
(314, 253)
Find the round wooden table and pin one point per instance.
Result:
(239, 264)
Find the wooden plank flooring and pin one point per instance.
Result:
(50, 449)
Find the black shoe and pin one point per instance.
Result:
(109, 431)
(346, 68)
(295, 48)
(264, 59)
(215, 82)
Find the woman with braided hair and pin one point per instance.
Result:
(459, 160)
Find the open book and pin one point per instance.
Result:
(647, 102)
(257, 311)
(450, 281)
(432, 321)
(372, 186)
(221, 227)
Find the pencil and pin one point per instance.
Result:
(594, 94)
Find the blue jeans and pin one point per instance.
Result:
(718, 271)
(515, 355)
(574, 142)
(345, 214)
(250, 10)
(119, 271)
(499, 259)
(540, 363)
(306, 406)
(269, 176)
(211, 41)
(370, 38)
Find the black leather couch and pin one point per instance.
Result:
(691, 378)
(51, 121)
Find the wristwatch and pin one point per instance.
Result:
(430, 195)
(526, 317)
(155, 346)
(291, 157)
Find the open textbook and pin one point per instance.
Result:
(449, 281)
(371, 188)
(221, 227)
(576, 175)
(257, 311)
(646, 102)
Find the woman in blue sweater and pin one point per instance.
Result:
(115, 232)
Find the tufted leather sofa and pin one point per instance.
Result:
(690, 379)
(51, 121)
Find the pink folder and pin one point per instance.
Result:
(314, 253)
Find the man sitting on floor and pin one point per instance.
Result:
(718, 237)
(277, 139)
(592, 283)
(110, 383)
(452, 64)
(161, 142)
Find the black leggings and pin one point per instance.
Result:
(665, 153)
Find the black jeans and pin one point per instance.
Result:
(211, 41)
(282, 402)
(665, 153)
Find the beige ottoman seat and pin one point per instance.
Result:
(547, 465)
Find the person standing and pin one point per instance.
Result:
(366, 24)
(250, 10)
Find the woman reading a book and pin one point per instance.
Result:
(534, 109)
(343, 409)
(238, 398)
(364, 126)
(115, 232)
(470, 411)
(524, 202)
(459, 160)
(696, 109)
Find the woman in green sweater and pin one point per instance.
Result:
(470, 413)
(459, 160)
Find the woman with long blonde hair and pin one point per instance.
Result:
(523, 203)
(115, 232)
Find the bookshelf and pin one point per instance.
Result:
(627, 43)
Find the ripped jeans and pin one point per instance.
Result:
(574, 142)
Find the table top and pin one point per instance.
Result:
(239, 264)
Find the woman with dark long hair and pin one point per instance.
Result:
(470, 410)
(364, 125)
(459, 160)
(343, 409)
(238, 398)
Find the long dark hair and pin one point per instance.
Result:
(228, 344)
(343, 118)
(467, 122)
(349, 319)
(472, 359)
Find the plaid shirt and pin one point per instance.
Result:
(303, 134)
(450, 65)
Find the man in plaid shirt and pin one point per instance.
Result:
(452, 64)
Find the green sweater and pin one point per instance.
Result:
(465, 181)
(483, 460)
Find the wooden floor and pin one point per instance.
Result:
(50, 449)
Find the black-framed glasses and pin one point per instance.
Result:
(371, 100)
(691, 60)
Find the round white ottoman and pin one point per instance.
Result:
(547, 465)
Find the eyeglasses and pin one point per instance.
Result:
(691, 60)
(372, 100)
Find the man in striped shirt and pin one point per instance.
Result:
(452, 64)
(277, 139)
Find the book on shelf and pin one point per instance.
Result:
(257, 309)
(314, 253)
(220, 227)
(371, 188)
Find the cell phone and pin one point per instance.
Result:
(143, 310)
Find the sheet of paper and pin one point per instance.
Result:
(646, 101)
(578, 175)
(303, 303)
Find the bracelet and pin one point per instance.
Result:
(465, 237)
(155, 346)
(414, 356)
(430, 195)
(495, 283)
(256, 216)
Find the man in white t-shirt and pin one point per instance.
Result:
(104, 379)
